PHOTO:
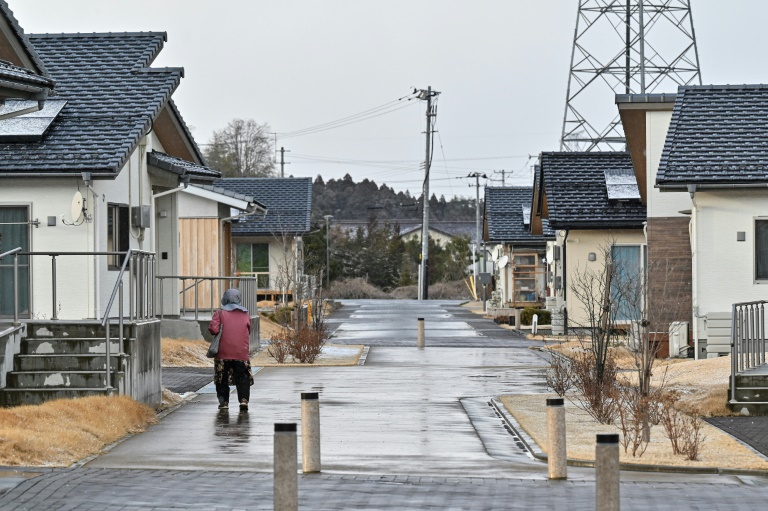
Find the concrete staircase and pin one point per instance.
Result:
(751, 392)
(62, 360)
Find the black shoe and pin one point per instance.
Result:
(223, 406)
(243, 405)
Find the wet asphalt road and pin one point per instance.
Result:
(406, 411)
(411, 429)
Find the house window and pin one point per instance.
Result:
(14, 233)
(118, 237)
(761, 249)
(253, 258)
(627, 285)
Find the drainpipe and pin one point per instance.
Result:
(565, 284)
(88, 180)
(692, 234)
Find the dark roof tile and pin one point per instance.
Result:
(577, 197)
(181, 167)
(288, 202)
(504, 215)
(718, 135)
(111, 102)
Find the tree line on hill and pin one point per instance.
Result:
(380, 255)
(347, 200)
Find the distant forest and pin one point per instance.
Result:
(347, 200)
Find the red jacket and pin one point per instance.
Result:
(235, 340)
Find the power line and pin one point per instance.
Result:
(371, 113)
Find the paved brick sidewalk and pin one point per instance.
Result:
(112, 489)
(186, 379)
(750, 430)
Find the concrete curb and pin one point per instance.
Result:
(538, 454)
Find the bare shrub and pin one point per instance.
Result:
(306, 344)
(452, 290)
(405, 293)
(559, 377)
(597, 392)
(279, 345)
(693, 438)
(357, 288)
(632, 411)
(683, 431)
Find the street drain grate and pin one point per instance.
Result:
(515, 437)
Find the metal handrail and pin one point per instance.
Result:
(748, 339)
(137, 295)
(15, 252)
(249, 290)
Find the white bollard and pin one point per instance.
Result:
(286, 479)
(607, 472)
(421, 332)
(535, 324)
(310, 432)
(557, 456)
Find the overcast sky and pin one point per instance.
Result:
(501, 67)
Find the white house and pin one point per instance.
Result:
(646, 119)
(269, 246)
(715, 158)
(88, 172)
(592, 205)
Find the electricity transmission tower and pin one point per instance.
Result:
(624, 47)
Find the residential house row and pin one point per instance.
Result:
(95, 161)
(686, 207)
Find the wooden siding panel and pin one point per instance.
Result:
(199, 257)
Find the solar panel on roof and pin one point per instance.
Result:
(621, 184)
(21, 121)
(526, 215)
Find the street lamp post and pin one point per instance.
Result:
(327, 251)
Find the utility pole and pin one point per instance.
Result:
(282, 161)
(327, 251)
(477, 176)
(503, 181)
(427, 95)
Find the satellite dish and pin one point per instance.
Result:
(496, 256)
(503, 261)
(76, 209)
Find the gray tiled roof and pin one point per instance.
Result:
(182, 167)
(21, 77)
(504, 215)
(28, 48)
(576, 193)
(718, 135)
(112, 99)
(288, 202)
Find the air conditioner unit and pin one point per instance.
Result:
(678, 339)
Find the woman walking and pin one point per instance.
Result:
(232, 363)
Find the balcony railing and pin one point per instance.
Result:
(747, 339)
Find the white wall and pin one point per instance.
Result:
(192, 206)
(52, 197)
(660, 204)
(725, 268)
(78, 295)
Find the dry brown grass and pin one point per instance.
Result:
(59, 433)
(185, 353)
(719, 449)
